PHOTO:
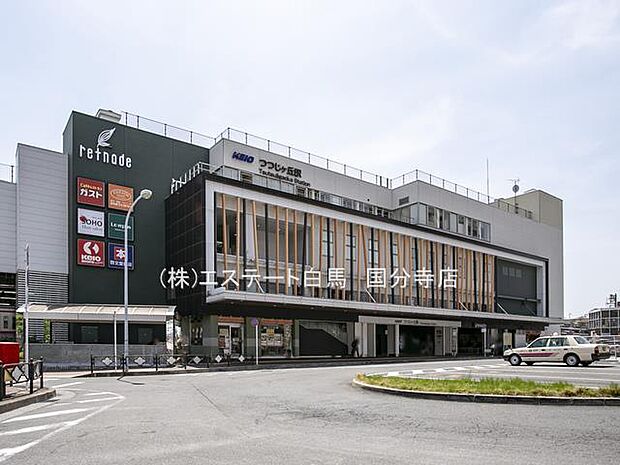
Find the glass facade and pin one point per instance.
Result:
(284, 248)
(438, 218)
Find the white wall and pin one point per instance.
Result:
(507, 230)
(42, 205)
(319, 178)
(8, 226)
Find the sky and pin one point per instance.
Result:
(534, 87)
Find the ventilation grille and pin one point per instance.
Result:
(45, 287)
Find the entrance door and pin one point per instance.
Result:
(230, 339)
(381, 340)
(236, 340)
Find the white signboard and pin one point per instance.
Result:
(90, 222)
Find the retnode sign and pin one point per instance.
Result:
(91, 253)
(106, 155)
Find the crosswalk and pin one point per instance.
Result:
(443, 370)
(20, 430)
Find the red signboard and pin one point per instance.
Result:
(90, 192)
(91, 253)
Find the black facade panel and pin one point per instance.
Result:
(155, 160)
(516, 287)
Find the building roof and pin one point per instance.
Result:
(99, 313)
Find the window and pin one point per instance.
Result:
(475, 228)
(422, 213)
(90, 334)
(145, 335)
(403, 201)
(453, 227)
(541, 342)
(485, 231)
(581, 340)
(461, 224)
(5, 322)
(557, 342)
(431, 218)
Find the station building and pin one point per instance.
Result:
(246, 238)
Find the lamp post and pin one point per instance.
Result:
(26, 316)
(144, 194)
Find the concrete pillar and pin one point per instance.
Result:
(296, 338)
(250, 338)
(209, 335)
(390, 340)
(185, 333)
(397, 340)
(364, 339)
(372, 351)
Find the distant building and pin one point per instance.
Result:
(605, 321)
(577, 326)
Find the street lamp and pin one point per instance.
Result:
(144, 194)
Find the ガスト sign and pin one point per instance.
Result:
(90, 192)
(91, 253)
(120, 197)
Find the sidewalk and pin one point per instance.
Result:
(18, 397)
(274, 364)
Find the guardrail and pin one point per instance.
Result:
(165, 361)
(21, 373)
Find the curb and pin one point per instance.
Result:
(491, 398)
(22, 401)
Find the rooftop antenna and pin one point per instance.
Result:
(488, 196)
(515, 189)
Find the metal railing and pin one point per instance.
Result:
(304, 156)
(23, 373)
(7, 172)
(157, 362)
(252, 140)
(167, 130)
(419, 175)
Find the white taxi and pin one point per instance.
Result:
(571, 350)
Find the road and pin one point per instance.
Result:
(298, 416)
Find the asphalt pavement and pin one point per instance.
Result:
(302, 416)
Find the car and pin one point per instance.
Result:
(572, 350)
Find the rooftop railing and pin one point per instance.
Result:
(7, 172)
(192, 137)
(419, 175)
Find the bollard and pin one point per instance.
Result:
(31, 375)
(41, 372)
(2, 385)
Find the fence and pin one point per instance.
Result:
(166, 361)
(23, 373)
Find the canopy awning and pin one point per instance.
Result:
(99, 313)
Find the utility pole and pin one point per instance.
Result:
(26, 291)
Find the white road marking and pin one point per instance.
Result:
(46, 415)
(32, 429)
(100, 393)
(96, 400)
(68, 384)
(10, 451)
